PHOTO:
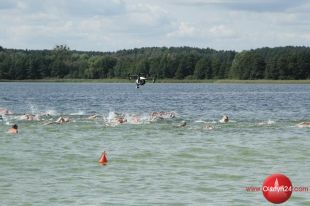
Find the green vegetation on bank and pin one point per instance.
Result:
(236, 81)
(117, 80)
(174, 64)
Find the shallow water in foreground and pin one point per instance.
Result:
(152, 162)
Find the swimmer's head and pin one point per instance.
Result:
(225, 118)
(120, 120)
(183, 124)
(15, 126)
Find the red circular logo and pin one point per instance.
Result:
(277, 188)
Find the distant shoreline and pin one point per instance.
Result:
(216, 81)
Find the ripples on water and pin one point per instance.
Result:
(153, 162)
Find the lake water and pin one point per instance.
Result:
(152, 161)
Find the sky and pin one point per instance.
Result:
(111, 25)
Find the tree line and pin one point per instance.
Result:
(173, 62)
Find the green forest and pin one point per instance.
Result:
(175, 62)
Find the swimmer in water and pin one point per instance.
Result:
(119, 120)
(13, 129)
(135, 119)
(60, 120)
(208, 127)
(269, 122)
(4, 111)
(183, 124)
(155, 116)
(303, 124)
(161, 115)
(30, 117)
(94, 116)
(224, 119)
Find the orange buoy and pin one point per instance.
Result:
(103, 159)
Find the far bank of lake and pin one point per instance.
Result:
(118, 80)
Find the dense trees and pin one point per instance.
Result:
(248, 65)
(173, 62)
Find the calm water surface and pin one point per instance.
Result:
(152, 162)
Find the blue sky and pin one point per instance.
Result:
(110, 25)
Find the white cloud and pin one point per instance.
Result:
(147, 15)
(306, 36)
(116, 24)
(222, 31)
(246, 5)
(184, 30)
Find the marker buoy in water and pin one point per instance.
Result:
(103, 159)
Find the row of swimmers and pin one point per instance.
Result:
(119, 119)
(115, 119)
(60, 120)
(224, 119)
